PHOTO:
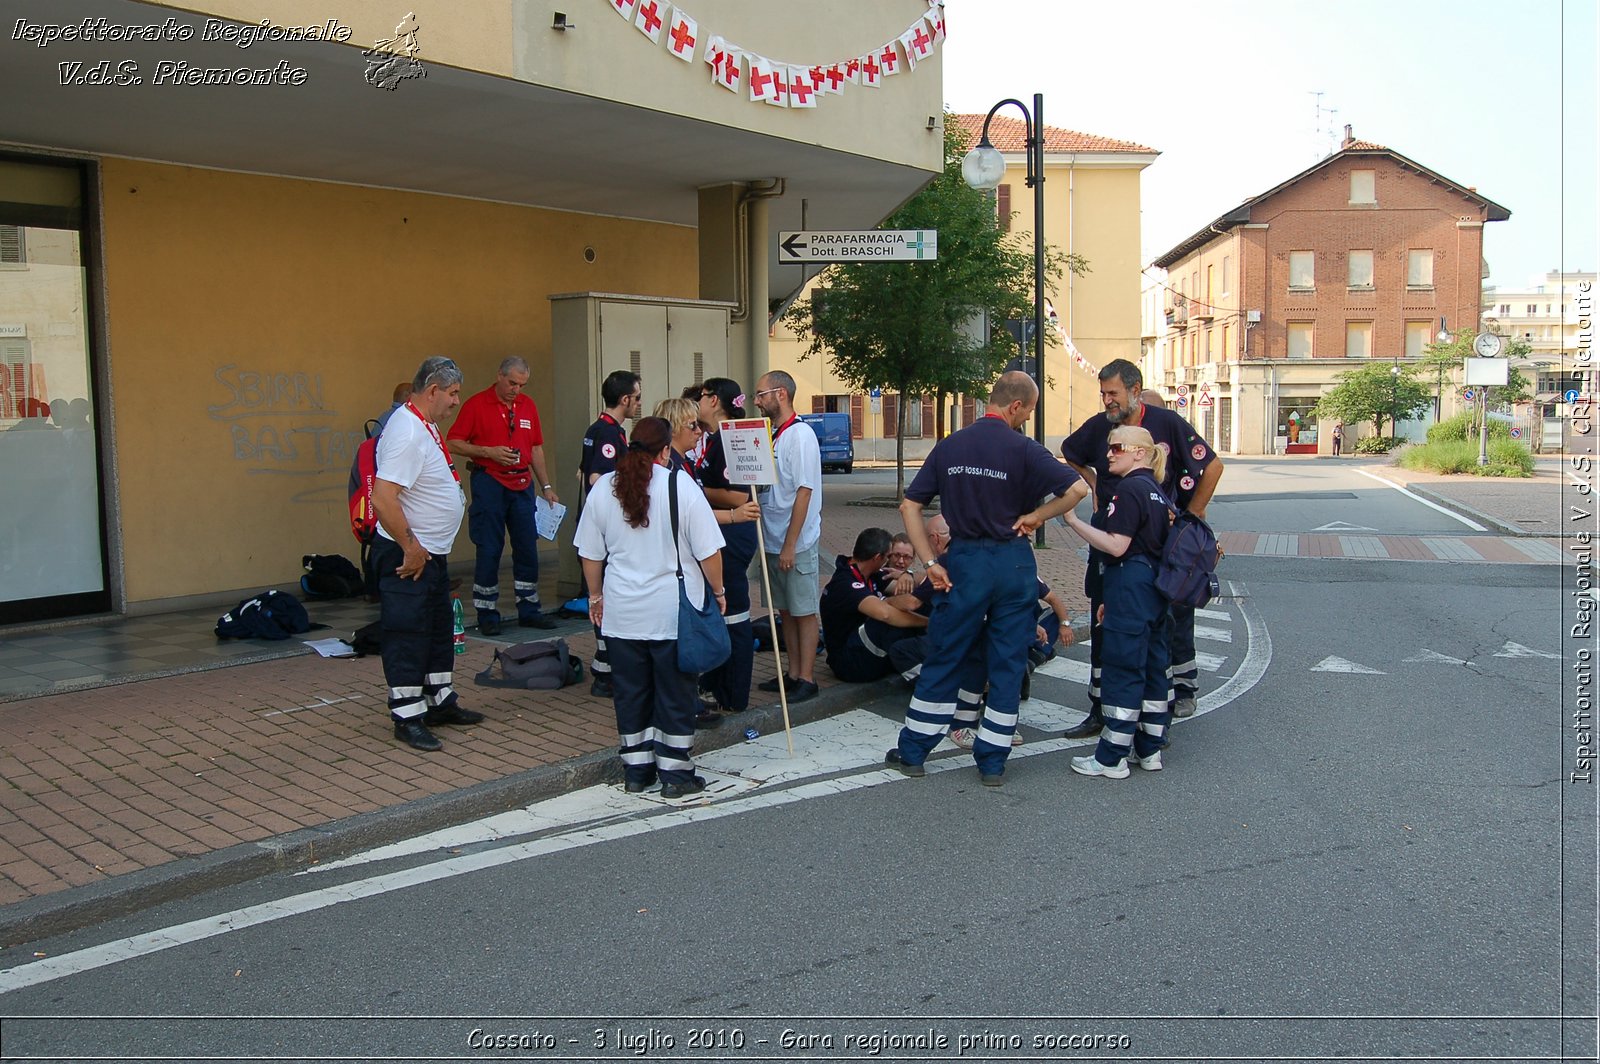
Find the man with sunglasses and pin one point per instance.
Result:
(1193, 470)
(498, 433)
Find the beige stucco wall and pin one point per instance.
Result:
(255, 323)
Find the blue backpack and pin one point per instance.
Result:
(269, 615)
(1187, 574)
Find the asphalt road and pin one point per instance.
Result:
(1369, 852)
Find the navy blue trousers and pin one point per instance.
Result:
(655, 707)
(1134, 685)
(992, 597)
(729, 682)
(418, 632)
(495, 511)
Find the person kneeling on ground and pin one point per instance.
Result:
(859, 626)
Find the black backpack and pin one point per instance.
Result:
(543, 666)
(330, 576)
(1187, 574)
(269, 615)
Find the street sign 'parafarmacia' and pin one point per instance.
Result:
(859, 245)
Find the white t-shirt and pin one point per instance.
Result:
(409, 455)
(641, 585)
(799, 465)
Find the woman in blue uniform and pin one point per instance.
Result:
(1130, 532)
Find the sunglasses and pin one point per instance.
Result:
(767, 391)
(1123, 448)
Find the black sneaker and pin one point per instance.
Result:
(694, 785)
(601, 688)
(892, 758)
(1087, 728)
(802, 691)
(416, 735)
(489, 627)
(538, 620)
(638, 786)
(451, 714)
(772, 684)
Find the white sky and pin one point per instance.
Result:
(1471, 89)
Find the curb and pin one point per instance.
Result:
(79, 907)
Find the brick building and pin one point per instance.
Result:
(1365, 255)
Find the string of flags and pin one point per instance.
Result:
(1052, 325)
(775, 82)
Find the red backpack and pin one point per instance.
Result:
(363, 471)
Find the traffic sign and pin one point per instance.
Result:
(1467, 394)
(876, 393)
(1570, 395)
(1204, 400)
(859, 245)
(1182, 401)
(1183, 389)
(1516, 432)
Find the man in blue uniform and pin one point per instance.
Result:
(990, 480)
(603, 444)
(858, 625)
(1193, 470)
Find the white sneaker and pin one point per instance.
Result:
(1151, 763)
(1088, 766)
(1016, 738)
(963, 737)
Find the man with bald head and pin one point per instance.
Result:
(989, 479)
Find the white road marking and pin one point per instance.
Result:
(1254, 666)
(1432, 505)
(1433, 657)
(1333, 664)
(1517, 650)
(1208, 662)
(1537, 549)
(1340, 526)
(1363, 547)
(320, 703)
(1277, 544)
(1216, 635)
(1214, 615)
(1450, 550)
(1065, 668)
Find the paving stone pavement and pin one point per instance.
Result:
(160, 776)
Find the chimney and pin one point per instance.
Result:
(1349, 138)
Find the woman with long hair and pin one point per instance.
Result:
(1130, 532)
(728, 685)
(630, 562)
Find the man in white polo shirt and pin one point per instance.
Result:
(418, 498)
(791, 524)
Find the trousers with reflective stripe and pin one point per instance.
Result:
(729, 682)
(418, 632)
(496, 510)
(990, 604)
(1134, 685)
(655, 706)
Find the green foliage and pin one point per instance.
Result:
(1440, 362)
(1507, 458)
(1376, 444)
(904, 326)
(1464, 427)
(1374, 393)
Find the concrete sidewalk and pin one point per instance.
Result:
(127, 795)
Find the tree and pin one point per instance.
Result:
(1441, 360)
(1372, 393)
(906, 326)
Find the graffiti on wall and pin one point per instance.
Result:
(280, 424)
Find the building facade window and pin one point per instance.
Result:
(1360, 269)
(1302, 270)
(1533, 308)
(1418, 335)
(1227, 275)
(1297, 423)
(1358, 339)
(1363, 186)
(1300, 339)
(1419, 268)
(1505, 310)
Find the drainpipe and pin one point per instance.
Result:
(753, 276)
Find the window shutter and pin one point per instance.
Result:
(927, 418)
(857, 416)
(969, 410)
(891, 414)
(1003, 205)
(819, 404)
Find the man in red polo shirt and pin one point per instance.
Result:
(498, 431)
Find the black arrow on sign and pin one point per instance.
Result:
(794, 245)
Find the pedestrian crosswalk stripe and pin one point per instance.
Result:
(1216, 635)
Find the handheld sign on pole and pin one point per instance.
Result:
(747, 443)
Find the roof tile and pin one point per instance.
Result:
(1010, 135)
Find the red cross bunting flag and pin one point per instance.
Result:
(802, 93)
(889, 60)
(624, 8)
(935, 17)
(650, 18)
(833, 79)
(723, 59)
(762, 80)
(917, 43)
(780, 85)
(682, 35)
(871, 72)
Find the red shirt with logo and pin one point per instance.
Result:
(485, 421)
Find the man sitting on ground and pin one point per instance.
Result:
(858, 625)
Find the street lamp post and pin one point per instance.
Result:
(983, 167)
(1394, 398)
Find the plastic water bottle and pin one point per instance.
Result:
(460, 627)
(750, 735)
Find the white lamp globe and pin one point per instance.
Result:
(983, 167)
